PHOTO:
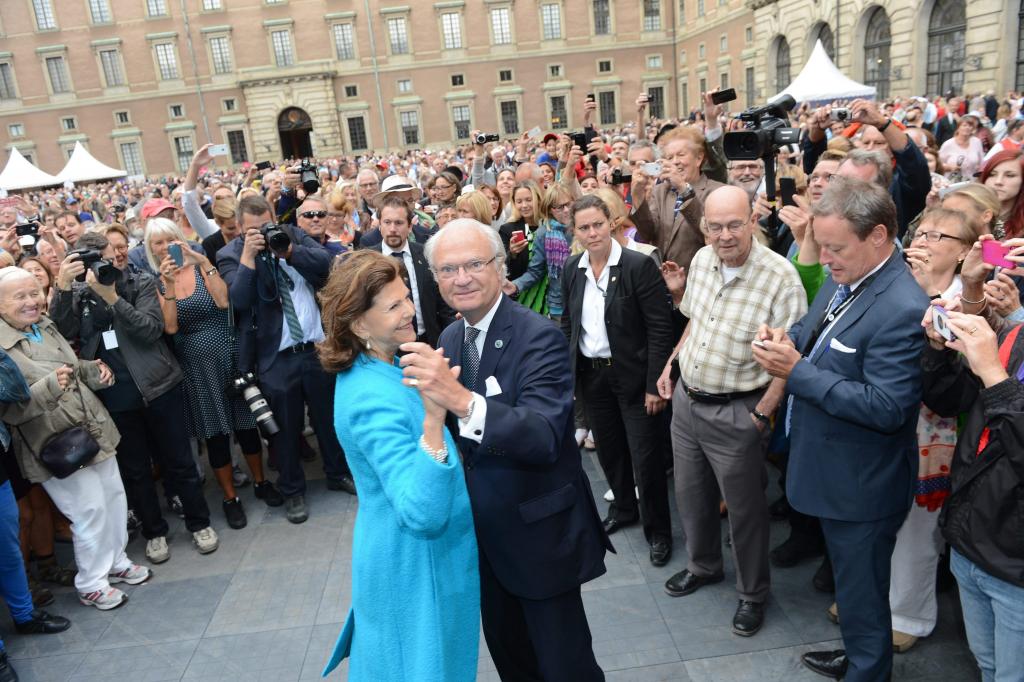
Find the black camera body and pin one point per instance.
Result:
(767, 129)
(104, 271)
(308, 177)
(618, 178)
(484, 138)
(247, 387)
(579, 140)
(277, 239)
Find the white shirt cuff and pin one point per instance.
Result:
(712, 134)
(473, 428)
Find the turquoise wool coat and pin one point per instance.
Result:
(415, 579)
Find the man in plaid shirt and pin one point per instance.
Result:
(720, 422)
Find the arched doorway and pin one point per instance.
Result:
(877, 40)
(782, 64)
(294, 127)
(947, 45)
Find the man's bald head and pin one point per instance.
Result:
(729, 224)
(729, 198)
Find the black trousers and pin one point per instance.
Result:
(630, 449)
(536, 640)
(158, 431)
(292, 382)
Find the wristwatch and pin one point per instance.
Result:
(763, 418)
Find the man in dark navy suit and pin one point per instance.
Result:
(274, 291)
(537, 526)
(853, 365)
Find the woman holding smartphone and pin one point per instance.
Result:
(518, 233)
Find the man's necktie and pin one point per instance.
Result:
(400, 255)
(284, 288)
(470, 358)
(842, 293)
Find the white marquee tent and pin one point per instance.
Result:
(19, 173)
(83, 167)
(821, 82)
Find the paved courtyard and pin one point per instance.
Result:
(269, 603)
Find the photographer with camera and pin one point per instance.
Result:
(115, 317)
(911, 180)
(273, 275)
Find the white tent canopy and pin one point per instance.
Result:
(83, 167)
(821, 81)
(19, 173)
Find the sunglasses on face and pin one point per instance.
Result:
(309, 215)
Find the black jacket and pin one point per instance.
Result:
(137, 321)
(983, 518)
(436, 313)
(517, 265)
(637, 316)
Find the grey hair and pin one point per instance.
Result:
(14, 272)
(646, 144)
(315, 198)
(459, 228)
(881, 162)
(164, 228)
(863, 204)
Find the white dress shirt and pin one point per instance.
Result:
(473, 428)
(306, 309)
(421, 328)
(593, 332)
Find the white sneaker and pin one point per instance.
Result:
(206, 540)
(133, 575)
(157, 550)
(609, 496)
(104, 600)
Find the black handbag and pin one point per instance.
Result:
(70, 450)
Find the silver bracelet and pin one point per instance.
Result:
(439, 456)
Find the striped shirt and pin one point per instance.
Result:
(724, 317)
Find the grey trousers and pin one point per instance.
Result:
(717, 447)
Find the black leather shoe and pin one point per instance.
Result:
(823, 579)
(661, 552)
(42, 623)
(793, 551)
(268, 492)
(684, 583)
(828, 663)
(234, 513)
(779, 509)
(612, 525)
(748, 619)
(7, 673)
(344, 483)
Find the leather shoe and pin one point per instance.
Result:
(612, 525)
(748, 619)
(828, 663)
(824, 580)
(793, 551)
(7, 673)
(344, 483)
(779, 509)
(684, 583)
(42, 623)
(661, 552)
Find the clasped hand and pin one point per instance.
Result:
(776, 352)
(428, 371)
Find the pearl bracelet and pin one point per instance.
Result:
(439, 456)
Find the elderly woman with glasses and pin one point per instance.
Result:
(446, 189)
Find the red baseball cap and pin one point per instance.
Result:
(154, 207)
(549, 136)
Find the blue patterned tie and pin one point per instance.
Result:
(470, 358)
(284, 288)
(842, 293)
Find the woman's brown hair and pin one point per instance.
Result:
(350, 291)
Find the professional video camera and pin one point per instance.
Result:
(105, 272)
(308, 177)
(248, 388)
(767, 129)
(277, 239)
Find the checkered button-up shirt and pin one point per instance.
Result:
(724, 318)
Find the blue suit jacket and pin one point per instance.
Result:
(252, 294)
(856, 400)
(534, 511)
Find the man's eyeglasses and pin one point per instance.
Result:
(473, 267)
(935, 236)
(309, 215)
(718, 228)
(562, 207)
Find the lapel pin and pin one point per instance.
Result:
(499, 343)
(613, 279)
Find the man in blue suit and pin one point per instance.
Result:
(537, 526)
(854, 374)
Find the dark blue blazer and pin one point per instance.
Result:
(253, 294)
(535, 516)
(856, 400)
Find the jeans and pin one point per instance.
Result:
(994, 618)
(13, 583)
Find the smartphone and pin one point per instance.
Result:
(591, 97)
(787, 188)
(940, 322)
(176, 254)
(517, 236)
(580, 140)
(994, 253)
(758, 342)
(652, 169)
(27, 229)
(534, 132)
(727, 95)
(263, 165)
(218, 150)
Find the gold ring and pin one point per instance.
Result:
(972, 330)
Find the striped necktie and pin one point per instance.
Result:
(284, 288)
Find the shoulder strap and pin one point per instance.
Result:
(1006, 346)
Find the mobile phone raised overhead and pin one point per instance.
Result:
(218, 150)
(994, 253)
(723, 96)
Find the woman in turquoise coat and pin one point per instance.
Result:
(415, 578)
